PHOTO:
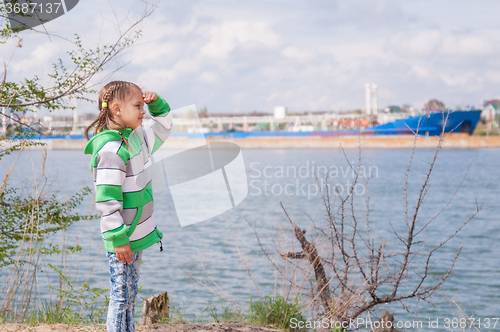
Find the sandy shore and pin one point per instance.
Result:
(452, 141)
(173, 327)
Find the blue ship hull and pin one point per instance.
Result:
(431, 124)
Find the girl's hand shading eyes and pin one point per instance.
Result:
(149, 96)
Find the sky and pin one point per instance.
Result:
(239, 56)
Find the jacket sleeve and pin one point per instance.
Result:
(109, 177)
(162, 127)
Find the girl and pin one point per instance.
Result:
(119, 154)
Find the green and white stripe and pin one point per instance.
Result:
(124, 195)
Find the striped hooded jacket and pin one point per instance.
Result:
(124, 195)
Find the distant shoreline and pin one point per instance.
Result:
(451, 141)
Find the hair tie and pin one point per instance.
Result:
(104, 105)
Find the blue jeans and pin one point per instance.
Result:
(124, 282)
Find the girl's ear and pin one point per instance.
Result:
(115, 108)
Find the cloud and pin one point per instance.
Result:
(209, 77)
(228, 35)
(42, 56)
(297, 54)
(438, 43)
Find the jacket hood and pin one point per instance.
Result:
(97, 141)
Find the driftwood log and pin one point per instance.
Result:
(310, 253)
(155, 308)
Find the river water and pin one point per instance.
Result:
(212, 244)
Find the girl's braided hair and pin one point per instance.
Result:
(115, 90)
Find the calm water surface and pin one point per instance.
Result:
(475, 283)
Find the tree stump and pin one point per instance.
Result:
(155, 308)
(386, 323)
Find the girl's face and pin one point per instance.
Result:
(129, 112)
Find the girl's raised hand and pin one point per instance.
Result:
(149, 96)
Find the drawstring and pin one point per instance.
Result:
(126, 142)
(161, 247)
